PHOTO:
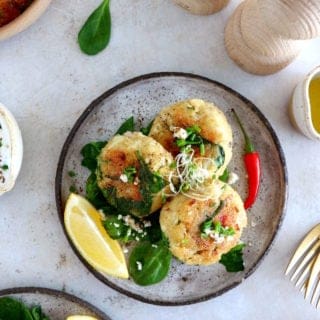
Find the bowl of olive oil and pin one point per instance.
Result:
(305, 105)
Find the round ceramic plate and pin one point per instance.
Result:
(55, 304)
(143, 97)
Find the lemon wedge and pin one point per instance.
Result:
(76, 317)
(84, 227)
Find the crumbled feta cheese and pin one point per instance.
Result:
(119, 216)
(125, 250)
(137, 238)
(253, 224)
(136, 181)
(217, 238)
(230, 238)
(124, 178)
(154, 246)
(147, 224)
(233, 178)
(129, 221)
(117, 225)
(139, 265)
(179, 133)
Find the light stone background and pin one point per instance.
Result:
(47, 82)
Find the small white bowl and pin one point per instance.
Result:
(11, 150)
(25, 19)
(300, 107)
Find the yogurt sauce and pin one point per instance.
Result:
(11, 150)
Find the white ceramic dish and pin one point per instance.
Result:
(300, 107)
(27, 18)
(142, 98)
(55, 304)
(11, 150)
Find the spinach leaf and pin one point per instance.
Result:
(15, 310)
(147, 129)
(225, 176)
(93, 192)
(233, 260)
(128, 125)
(37, 314)
(10, 309)
(90, 153)
(219, 160)
(150, 182)
(118, 229)
(95, 34)
(149, 263)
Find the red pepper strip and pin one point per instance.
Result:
(252, 163)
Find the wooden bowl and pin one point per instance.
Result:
(28, 17)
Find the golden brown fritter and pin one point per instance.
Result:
(129, 152)
(214, 128)
(182, 217)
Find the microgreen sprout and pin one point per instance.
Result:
(190, 175)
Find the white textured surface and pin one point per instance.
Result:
(47, 82)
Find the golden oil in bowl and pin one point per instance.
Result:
(314, 96)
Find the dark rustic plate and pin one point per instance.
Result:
(55, 304)
(143, 97)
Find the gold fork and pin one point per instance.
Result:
(305, 266)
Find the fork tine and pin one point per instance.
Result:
(308, 256)
(313, 276)
(303, 275)
(315, 293)
(308, 239)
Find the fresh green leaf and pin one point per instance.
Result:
(12, 309)
(147, 129)
(150, 183)
(128, 125)
(130, 173)
(90, 153)
(93, 192)
(225, 176)
(117, 229)
(219, 160)
(95, 34)
(233, 260)
(193, 129)
(149, 263)
(37, 314)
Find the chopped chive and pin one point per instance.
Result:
(5, 167)
(202, 149)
